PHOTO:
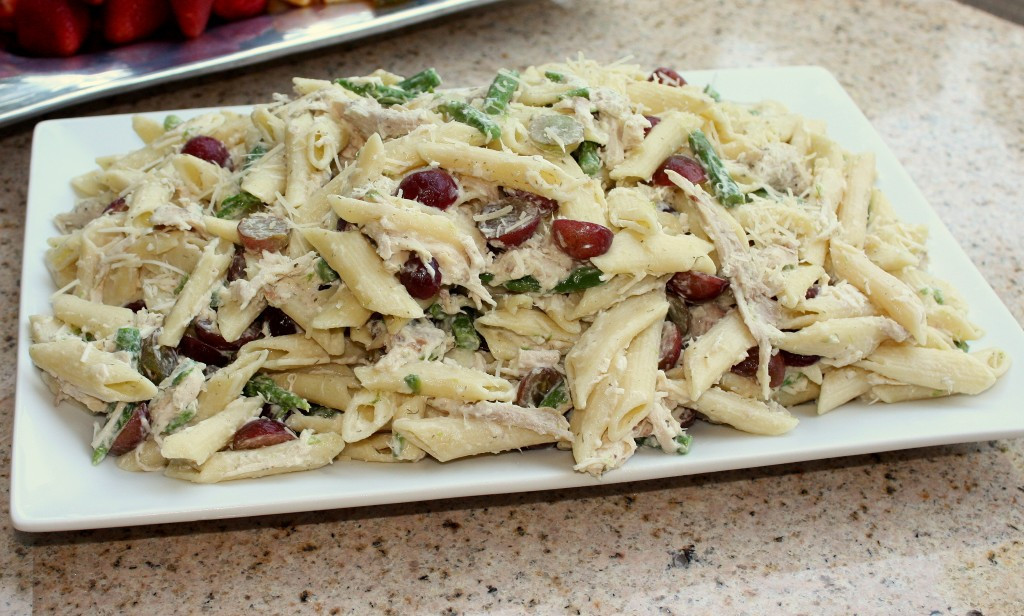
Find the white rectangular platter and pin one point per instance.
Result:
(54, 487)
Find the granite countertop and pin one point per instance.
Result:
(927, 531)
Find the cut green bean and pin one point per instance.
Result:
(502, 89)
(588, 158)
(315, 410)
(725, 187)
(713, 93)
(116, 421)
(238, 206)
(324, 271)
(580, 279)
(526, 284)
(178, 422)
(254, 155)
(556, 397)
(555, 77)
(423, 81)
(128, 339)
(471, 116)
(181, 285)
(464, 332)
(575, 92)
(486, 278)
(412, 381)
(273, 393)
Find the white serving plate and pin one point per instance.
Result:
(54, 487)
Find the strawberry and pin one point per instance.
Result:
(238, 9)
(51, 27)
(192, 15)
(129, 20)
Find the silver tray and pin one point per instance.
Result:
(32, 86)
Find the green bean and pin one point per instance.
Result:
(464, 332)
(179, 420)
(555, 77)
(423, 81)
(580, 92)
(588, 158)
(466, 114)
(725, 188)
(486, 277)
(128, 339)
(683, 441)
(254, 155)
(238, 206)
(713, 93)
(502, 89)
(315, 410)
(108, 433)
(181, 284)
(413, 382)
(580, 279)
(324, 271)
(556, 397)
(526, 284)
(273, 393)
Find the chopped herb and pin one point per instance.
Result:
(555, 77)
(684, 441)
(486, 278)
(238, 206)
(171, 122)
(713, 93)
(760, 192)
(324, 271)
(413, 382)
(181, 284)
(935, 293)
(962, 345)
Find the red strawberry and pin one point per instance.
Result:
(51, 27)
(192, 15)
(130, 20)
(238, 9)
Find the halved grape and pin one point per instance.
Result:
(750, 364)
(513, 227)
(697, 287)
(133, 432)
(671, 345)
(580, 239)
(433, 187)
(209, 149)
(667, 76)
(536, 385)
(683, 165)
(420, 281)
(556, 132)
(261, 432)
(261, 232)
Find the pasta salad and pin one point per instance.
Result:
(582, 256)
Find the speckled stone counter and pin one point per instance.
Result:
(927, 531)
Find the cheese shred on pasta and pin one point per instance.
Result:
(581, 255)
